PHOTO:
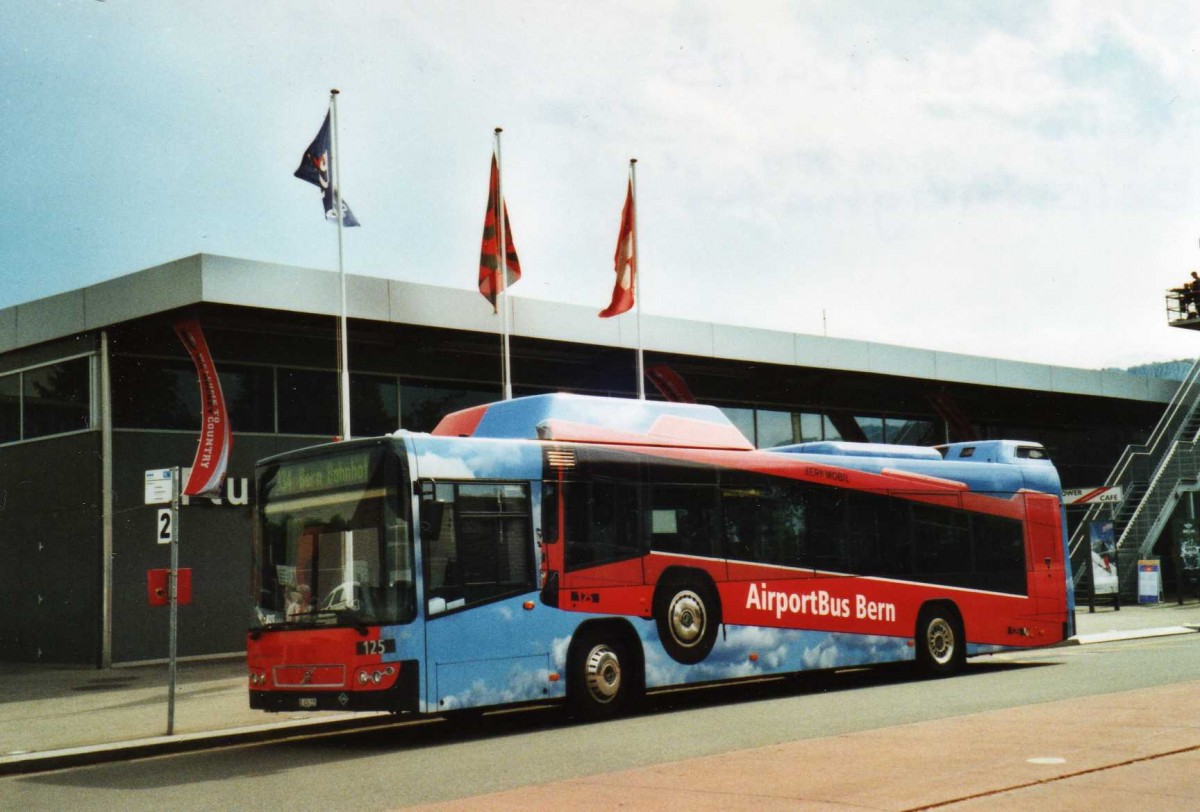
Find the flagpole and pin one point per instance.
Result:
(343, 338)
(502, 265)
(637, 282)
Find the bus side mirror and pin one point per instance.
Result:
(550, 589)
(548, 533)
(431, 519)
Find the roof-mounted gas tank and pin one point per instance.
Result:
(1016, 452)
(588, 419)
(838, 448)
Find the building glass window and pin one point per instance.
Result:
(156, 393)
(374, 405)
(151, 393)
(908, 432)
(308, 402)
(743, 419)
(249, 397)
(810, 427)
(831, 432)
(765, 428)
(10, 408)
(774, 428)
(57, 398)
(424, 406)
(872, 427)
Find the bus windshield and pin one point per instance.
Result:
(332, 547)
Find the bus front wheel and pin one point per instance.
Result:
(602, 679)
(941, 642)
(687, 611)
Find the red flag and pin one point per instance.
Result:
(625, 262)
(212, 452)
(489, 252)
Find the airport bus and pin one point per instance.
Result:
(589, 550)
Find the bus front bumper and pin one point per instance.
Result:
(401, 697)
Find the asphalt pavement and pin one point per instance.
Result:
(53, 717)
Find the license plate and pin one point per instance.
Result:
(366, 647)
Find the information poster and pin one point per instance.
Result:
(1149, 581)
(1104, 557)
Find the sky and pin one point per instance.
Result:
(1016, 180)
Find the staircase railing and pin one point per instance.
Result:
(1180, 466)
(1141, 463)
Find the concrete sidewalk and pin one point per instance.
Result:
(58, 716)
(1053, 756)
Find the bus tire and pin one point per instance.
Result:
(940, 640)
(687, 611)
(602, 678)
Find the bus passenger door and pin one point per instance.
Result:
(481, 610)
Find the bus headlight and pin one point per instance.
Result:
(376, 676)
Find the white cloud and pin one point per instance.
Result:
(873, 160)
(521, 685)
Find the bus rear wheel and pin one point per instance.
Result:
(941, 642)
(687, 611)
(602, 682)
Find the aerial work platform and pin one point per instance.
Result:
(1183, 306)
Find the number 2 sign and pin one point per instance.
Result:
(166, 526)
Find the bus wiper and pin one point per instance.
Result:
(354, 618)
(344, 617)
(294, 622)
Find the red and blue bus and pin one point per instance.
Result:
(565, 547)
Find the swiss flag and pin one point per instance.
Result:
(625, 262)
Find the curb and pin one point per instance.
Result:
(84, 755)
(1132, 634)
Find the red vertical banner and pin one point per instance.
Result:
(216, 438)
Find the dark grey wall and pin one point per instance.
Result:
(214, 543)
(50, 550)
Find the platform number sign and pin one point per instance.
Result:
(166, 526)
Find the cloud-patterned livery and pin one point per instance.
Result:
(590, 549)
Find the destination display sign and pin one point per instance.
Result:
(324, 474)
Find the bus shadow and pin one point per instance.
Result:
(813, 682)
(466, 727)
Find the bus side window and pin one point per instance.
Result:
(825, 514)
(765, 521)
(941, 544)
(683, 519)
(601, 522)
(999, 547)
(481, 551)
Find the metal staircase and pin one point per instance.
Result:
(1152, 477)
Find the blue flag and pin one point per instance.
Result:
(314, 168)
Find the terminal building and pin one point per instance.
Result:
(95, 390)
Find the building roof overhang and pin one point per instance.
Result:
(207, 278)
